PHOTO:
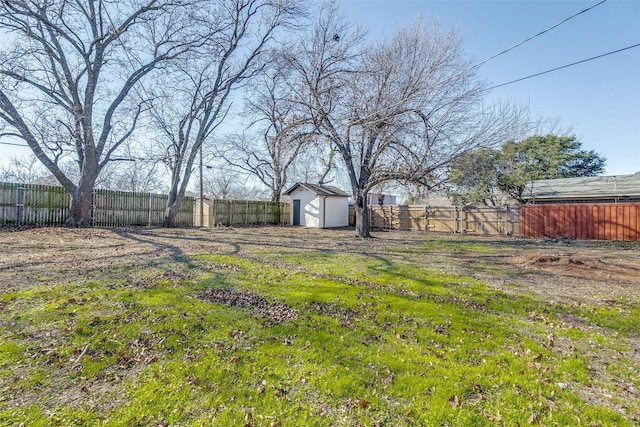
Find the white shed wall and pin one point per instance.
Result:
(320, 212)
(311, 213)
(309, 209)
(336, 213)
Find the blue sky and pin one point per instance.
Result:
(599, 100)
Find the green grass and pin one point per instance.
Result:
(376, 341)
(460, 244)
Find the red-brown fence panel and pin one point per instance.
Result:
(588, 221)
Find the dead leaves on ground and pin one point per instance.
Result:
(257, 305)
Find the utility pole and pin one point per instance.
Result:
(201, 192)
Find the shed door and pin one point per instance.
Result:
(296, 212)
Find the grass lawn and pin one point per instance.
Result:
(239, 330)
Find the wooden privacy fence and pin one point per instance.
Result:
(119, 208)
(590, 221)
(502, 220)
(32, 204)
(242, 212)
(22, 204)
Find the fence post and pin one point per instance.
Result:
(287, 218)
(93, 207)
(454, 215)
(19, 205)
(150, 206)
(464, 220)
(426, 218)
(246, 213)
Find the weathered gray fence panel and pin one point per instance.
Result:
(33, 204)
(242, 212)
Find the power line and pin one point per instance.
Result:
(13, 143)
(546, 30)
(537, 35)
(565, 66)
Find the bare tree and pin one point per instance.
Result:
(139, 176)
(398, 109)
(133, 171)
(23, 170)
(194, 98)
(221, 183)
(67, 73)
(316, 164)
(282, 132)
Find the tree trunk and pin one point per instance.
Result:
(276, 214)
(173, 206)
(275, 197)
(362, 216)
(81, 202)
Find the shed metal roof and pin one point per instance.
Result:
(585, 188)
(318, 189)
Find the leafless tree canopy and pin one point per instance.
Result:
(224, 184)
(79, 77)
(67, 71)
(277, 134)
(133, 170)
(24, 170)
(397, 109)
(194, 97)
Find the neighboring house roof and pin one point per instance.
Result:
(320, 190)
(585, 188)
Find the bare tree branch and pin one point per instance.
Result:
(68, 71)
(399, 109)
(281, 130)
(238, 33)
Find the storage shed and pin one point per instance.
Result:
(319, 206)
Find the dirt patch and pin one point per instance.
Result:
(563, 273)
(585, 273)
(577, 265)
(571, 271)
(258, 306)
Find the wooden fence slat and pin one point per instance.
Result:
(614, 221)
(243, 212)
(48, 205)
(630, 229)
(451, 219)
